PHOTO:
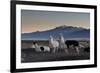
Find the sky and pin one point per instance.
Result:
(35, 20)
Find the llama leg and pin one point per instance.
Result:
(77, 50)
(54, 49)
(66, 51)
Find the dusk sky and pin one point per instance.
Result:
(33, 20)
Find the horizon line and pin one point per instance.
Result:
(55, 28)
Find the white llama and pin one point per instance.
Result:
(62, 44)
(54, 44)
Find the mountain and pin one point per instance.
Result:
(69, 32)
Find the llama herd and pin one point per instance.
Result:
(55, 45)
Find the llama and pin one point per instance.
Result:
(54, 44)
(62, 44)
(40, 48)
(45, 48)
(73, 44)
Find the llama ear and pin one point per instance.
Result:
(60, 33)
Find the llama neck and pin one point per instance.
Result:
(62, 39)
(51, 39)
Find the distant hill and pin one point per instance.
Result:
(69, 32)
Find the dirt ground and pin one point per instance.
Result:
(29, 55)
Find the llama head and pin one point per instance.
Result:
(60, 34)
(34, 42)
(51, 37)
